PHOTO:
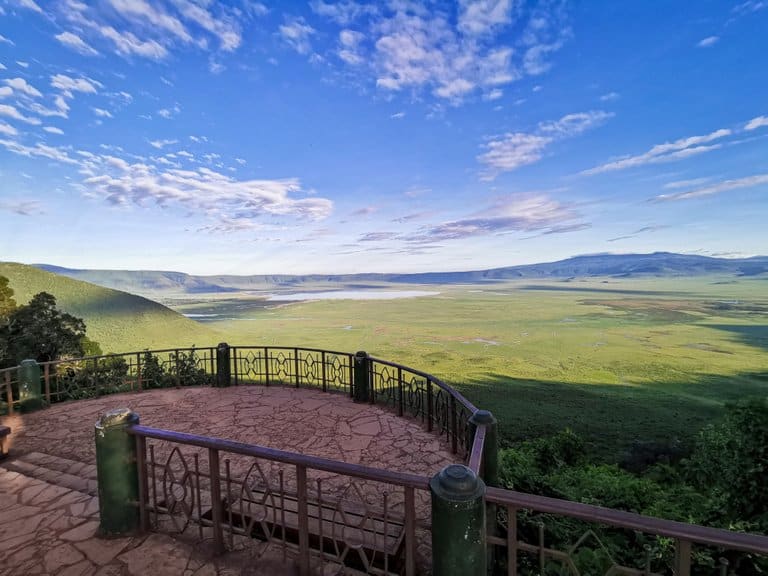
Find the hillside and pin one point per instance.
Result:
(660, 264)
(117, 320)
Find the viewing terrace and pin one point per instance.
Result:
(272, 460)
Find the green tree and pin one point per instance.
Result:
(7, 306)
(41, 331)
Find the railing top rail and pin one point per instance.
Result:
(314, 462)
(689, 532)
(476, 453)
(456, 394)
(300, 348)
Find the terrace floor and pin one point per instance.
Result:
(50, 528)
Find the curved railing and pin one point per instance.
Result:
(309, 512)
(406, 390)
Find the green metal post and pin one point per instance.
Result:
(30, 398)
(223, 367)
(490, 464)
(458, 522)
(117, 472)
(362, 377)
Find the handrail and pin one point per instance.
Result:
(630, 520)
(456, 394)
(314, 462)
(476, 454)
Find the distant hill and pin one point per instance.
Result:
(157, 283)
(118, 321)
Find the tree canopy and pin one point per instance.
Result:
(38, 330)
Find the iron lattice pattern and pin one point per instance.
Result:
(263, 506)
(420, 396)
(321, 369)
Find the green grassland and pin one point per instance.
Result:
(118, 321)
(617, 360)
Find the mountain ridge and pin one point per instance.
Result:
(588, 265)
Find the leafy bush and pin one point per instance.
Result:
(91, 378)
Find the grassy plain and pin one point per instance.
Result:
(617, 360)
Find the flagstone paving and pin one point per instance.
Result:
(46, 528)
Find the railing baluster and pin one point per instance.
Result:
(9, 391)
(141, 466)
(303, 511)
(296, 366)
(400, 399)
(228, 499)
(429, 405)
(199, 500)
(47, 380)
(682, 558)
(139, 383)
(454, 426)
(154, 482)
(322, 362)
(410, 531)
(236, 365)
(266, 365)
(511, 541)
(216, 511)
(349, 375)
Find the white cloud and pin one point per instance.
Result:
(6, 91)
(30, 5)
(408, 46)
(724, 186)
(11, 112)
(297, 32)
(169, 113)
(67, 85)
(53, 130)
(22, 63)
(756, 123)
(102, 113)
(152, 15)
(667, 152)
(21, 85)
(516, 149)
(23, 207)
(610, 97)
(708, 41)
(494, 94)
(229, 203)
(160, 144)
(397, 115)
(225, 27)
(61, 108)
(2, 66)
(240, 161)
(685, 183)
(127, 44)
(535, 212)
(4, 40)
(7, 129)
(76, 43)
(39, 150)
(478, 17)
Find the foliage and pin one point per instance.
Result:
(91, 378)
(185, 371)
(41, 331)
(731, 461)
(152, 373)
(7, 306)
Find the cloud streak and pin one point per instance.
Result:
(724, 186)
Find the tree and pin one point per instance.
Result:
(7, 306)
(41, 331)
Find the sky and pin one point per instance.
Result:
(339, 137)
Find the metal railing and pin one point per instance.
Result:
(319, 511)
(323, 512)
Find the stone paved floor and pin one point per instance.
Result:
(49, 529)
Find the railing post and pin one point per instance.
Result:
(30, 398)
(458, 522)
(47, 381)
(489, 472)
(9, 392)
(682, 558)
(362, 377)
(303, 517)
(430, 405)
(490, 465)
(223, 368)
(139, 384)
(117, 472)
(217, 513)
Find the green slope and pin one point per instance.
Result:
(118, 321)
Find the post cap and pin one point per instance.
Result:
(457, 483)
(361, 354)
(28, 362)
(222, 345)
(482, 417)
(117, 417)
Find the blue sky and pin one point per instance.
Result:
(334, 137)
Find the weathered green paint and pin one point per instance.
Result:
(490, 463)
(362, 377)
(117, 472)
(223, 368)
(458, 522)
(30, 398)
